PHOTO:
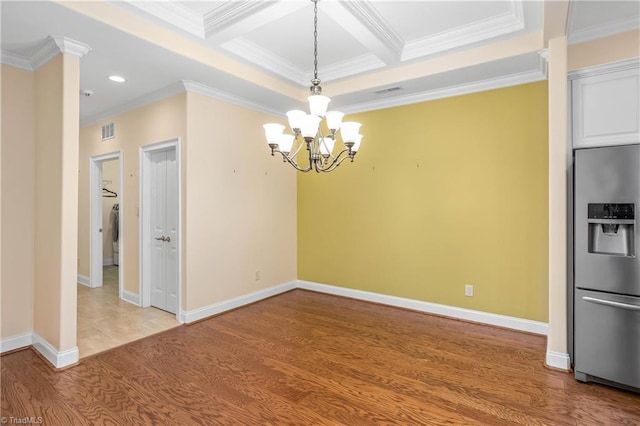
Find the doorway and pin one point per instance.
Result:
(106, 223)
(160, 248)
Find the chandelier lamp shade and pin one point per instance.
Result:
(317, 131)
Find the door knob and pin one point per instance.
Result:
(168, 239)
(161, 238)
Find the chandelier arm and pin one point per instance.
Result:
(297, 150)
(292, 162)
(336, 161)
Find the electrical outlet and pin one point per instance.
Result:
(257, 275)
(468, 290)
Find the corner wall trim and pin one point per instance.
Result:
(16, 342)
(83, 280)
(558, 360)
(236, 302)
(131, 297)
(514, 323)
(57, 358)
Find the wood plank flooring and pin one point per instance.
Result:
(311, 359)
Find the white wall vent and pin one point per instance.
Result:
(108, 131)
(387, 90)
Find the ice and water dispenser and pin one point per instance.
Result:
(611, 229)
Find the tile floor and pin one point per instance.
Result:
(105, 321)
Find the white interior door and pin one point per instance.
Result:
(96, 232)
(164, 230)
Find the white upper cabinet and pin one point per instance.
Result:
(606, 106)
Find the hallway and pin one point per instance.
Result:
(105, 321)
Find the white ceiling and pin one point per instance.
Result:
(359, 41)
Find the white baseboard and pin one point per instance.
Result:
(236, 302)
(558, 360)
(58, 358)
(107, 262)
(84, 280)
(515, 323)
(16, 342)
(131, 297)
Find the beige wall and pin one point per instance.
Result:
(48, 193)
(110, 173)
(153, 123)
(18, 200)
(558, 122)
(56, 159)
(238, 202)
(614, 48)
(240, 211)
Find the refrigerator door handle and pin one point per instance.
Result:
(611, 303)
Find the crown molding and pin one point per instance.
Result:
(174, 13)
(279, 66)
(70, 46)
(230, 13)
(347, 68)
(544, 54)
(46, 52)
(266, 59)
(595, 32)
(49, 49)
(55, 45)
(627, 64)
(462, 89)
(15, 60)
(165, 92)
(172, 90)
(468, 34)
(543, 61)
(194, 87)
(377, 25)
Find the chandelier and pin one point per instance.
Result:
(309, 129)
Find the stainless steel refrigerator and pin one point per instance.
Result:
(607, 265)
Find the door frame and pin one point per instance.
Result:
(95, 220)
(145, 219)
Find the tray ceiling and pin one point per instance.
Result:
(371, 54)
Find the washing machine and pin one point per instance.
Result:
(115, 231)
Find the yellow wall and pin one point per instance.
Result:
(18, 200)
(160, 121)
(240, 205)
(442, 193)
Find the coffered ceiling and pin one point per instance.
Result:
(354, 36)
(259, 54)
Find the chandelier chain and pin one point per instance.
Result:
(315, 39)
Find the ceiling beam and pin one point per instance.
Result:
(137, 26)
(236, 18)
(555, 15)
(367, 26)
(525, 43)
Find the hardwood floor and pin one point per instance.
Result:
(312, 359)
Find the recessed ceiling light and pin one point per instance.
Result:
(117, 78)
